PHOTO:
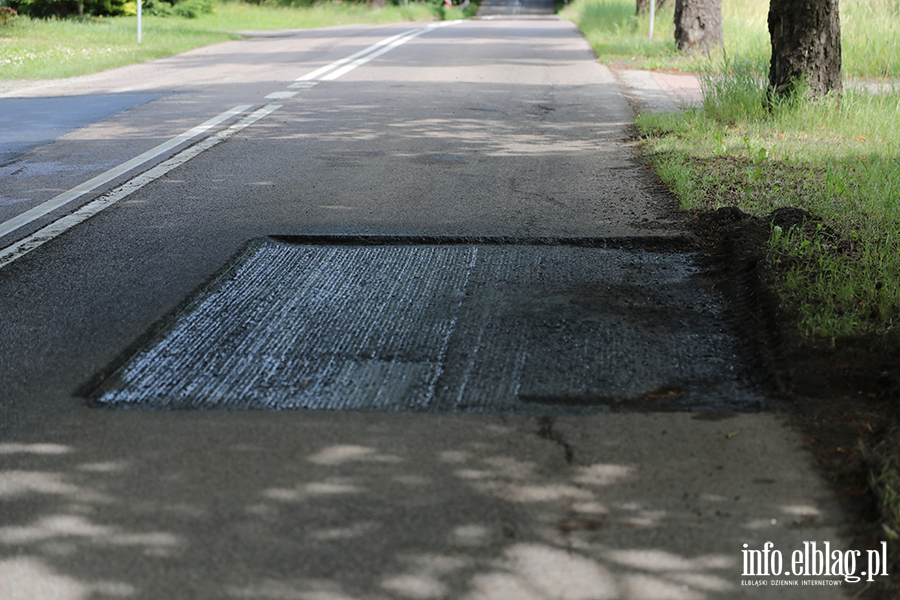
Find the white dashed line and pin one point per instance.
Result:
(281, 95)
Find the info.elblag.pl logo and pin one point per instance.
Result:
(814, 560)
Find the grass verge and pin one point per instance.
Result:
(833, 168)
(835, 159)
(870, 33)
(824, 179)
(46, 49)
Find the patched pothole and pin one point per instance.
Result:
(446, 326)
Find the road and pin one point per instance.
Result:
(443, 225)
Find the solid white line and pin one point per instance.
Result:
(60, 226)
(343, 61)
(42, 236)
(361, 61)
(50, 205)
(392, 42)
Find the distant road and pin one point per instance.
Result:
(490, 8)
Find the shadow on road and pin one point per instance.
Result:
(355, 506)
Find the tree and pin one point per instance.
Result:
(806, 46)
(698, 25)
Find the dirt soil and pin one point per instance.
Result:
(839, 393)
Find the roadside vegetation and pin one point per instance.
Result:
(836, 158)
(839, 274)
(835, 266)
(44, 48)
(869, 34)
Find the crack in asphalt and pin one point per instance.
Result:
(546, 431)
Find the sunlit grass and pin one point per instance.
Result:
(616, 33)
(835, 159)
(870, 32)
(870, 36)
(839, 160)
(60, 48)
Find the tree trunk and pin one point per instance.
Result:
(698, 25)
(806, 44)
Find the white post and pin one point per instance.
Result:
(139, 20)
(652, 16)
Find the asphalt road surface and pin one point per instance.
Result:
(441, 227)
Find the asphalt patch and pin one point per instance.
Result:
(436, 326)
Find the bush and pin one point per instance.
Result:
(43, 9)
(191, 9)
(40, 9)
(7, 15)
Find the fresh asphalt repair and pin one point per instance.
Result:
(448, 326)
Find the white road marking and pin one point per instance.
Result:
(387, 48)
(50, 205)
(44, 235)
(361, 61)
(392, 42)
(343, 61)
(60, 226)
(281, 95)
(303, 85)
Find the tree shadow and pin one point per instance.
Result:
(351, 506)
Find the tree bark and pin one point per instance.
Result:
(698, 25)
(806, 44)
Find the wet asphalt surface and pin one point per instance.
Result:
(549, 395)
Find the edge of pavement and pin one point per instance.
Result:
(659, 92)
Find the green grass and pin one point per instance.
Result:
(837, 274)
(870, 35)
(870, 32)
(43, 49)
(616, 33)
(837, 160)
(238, 16)
(34, 49)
